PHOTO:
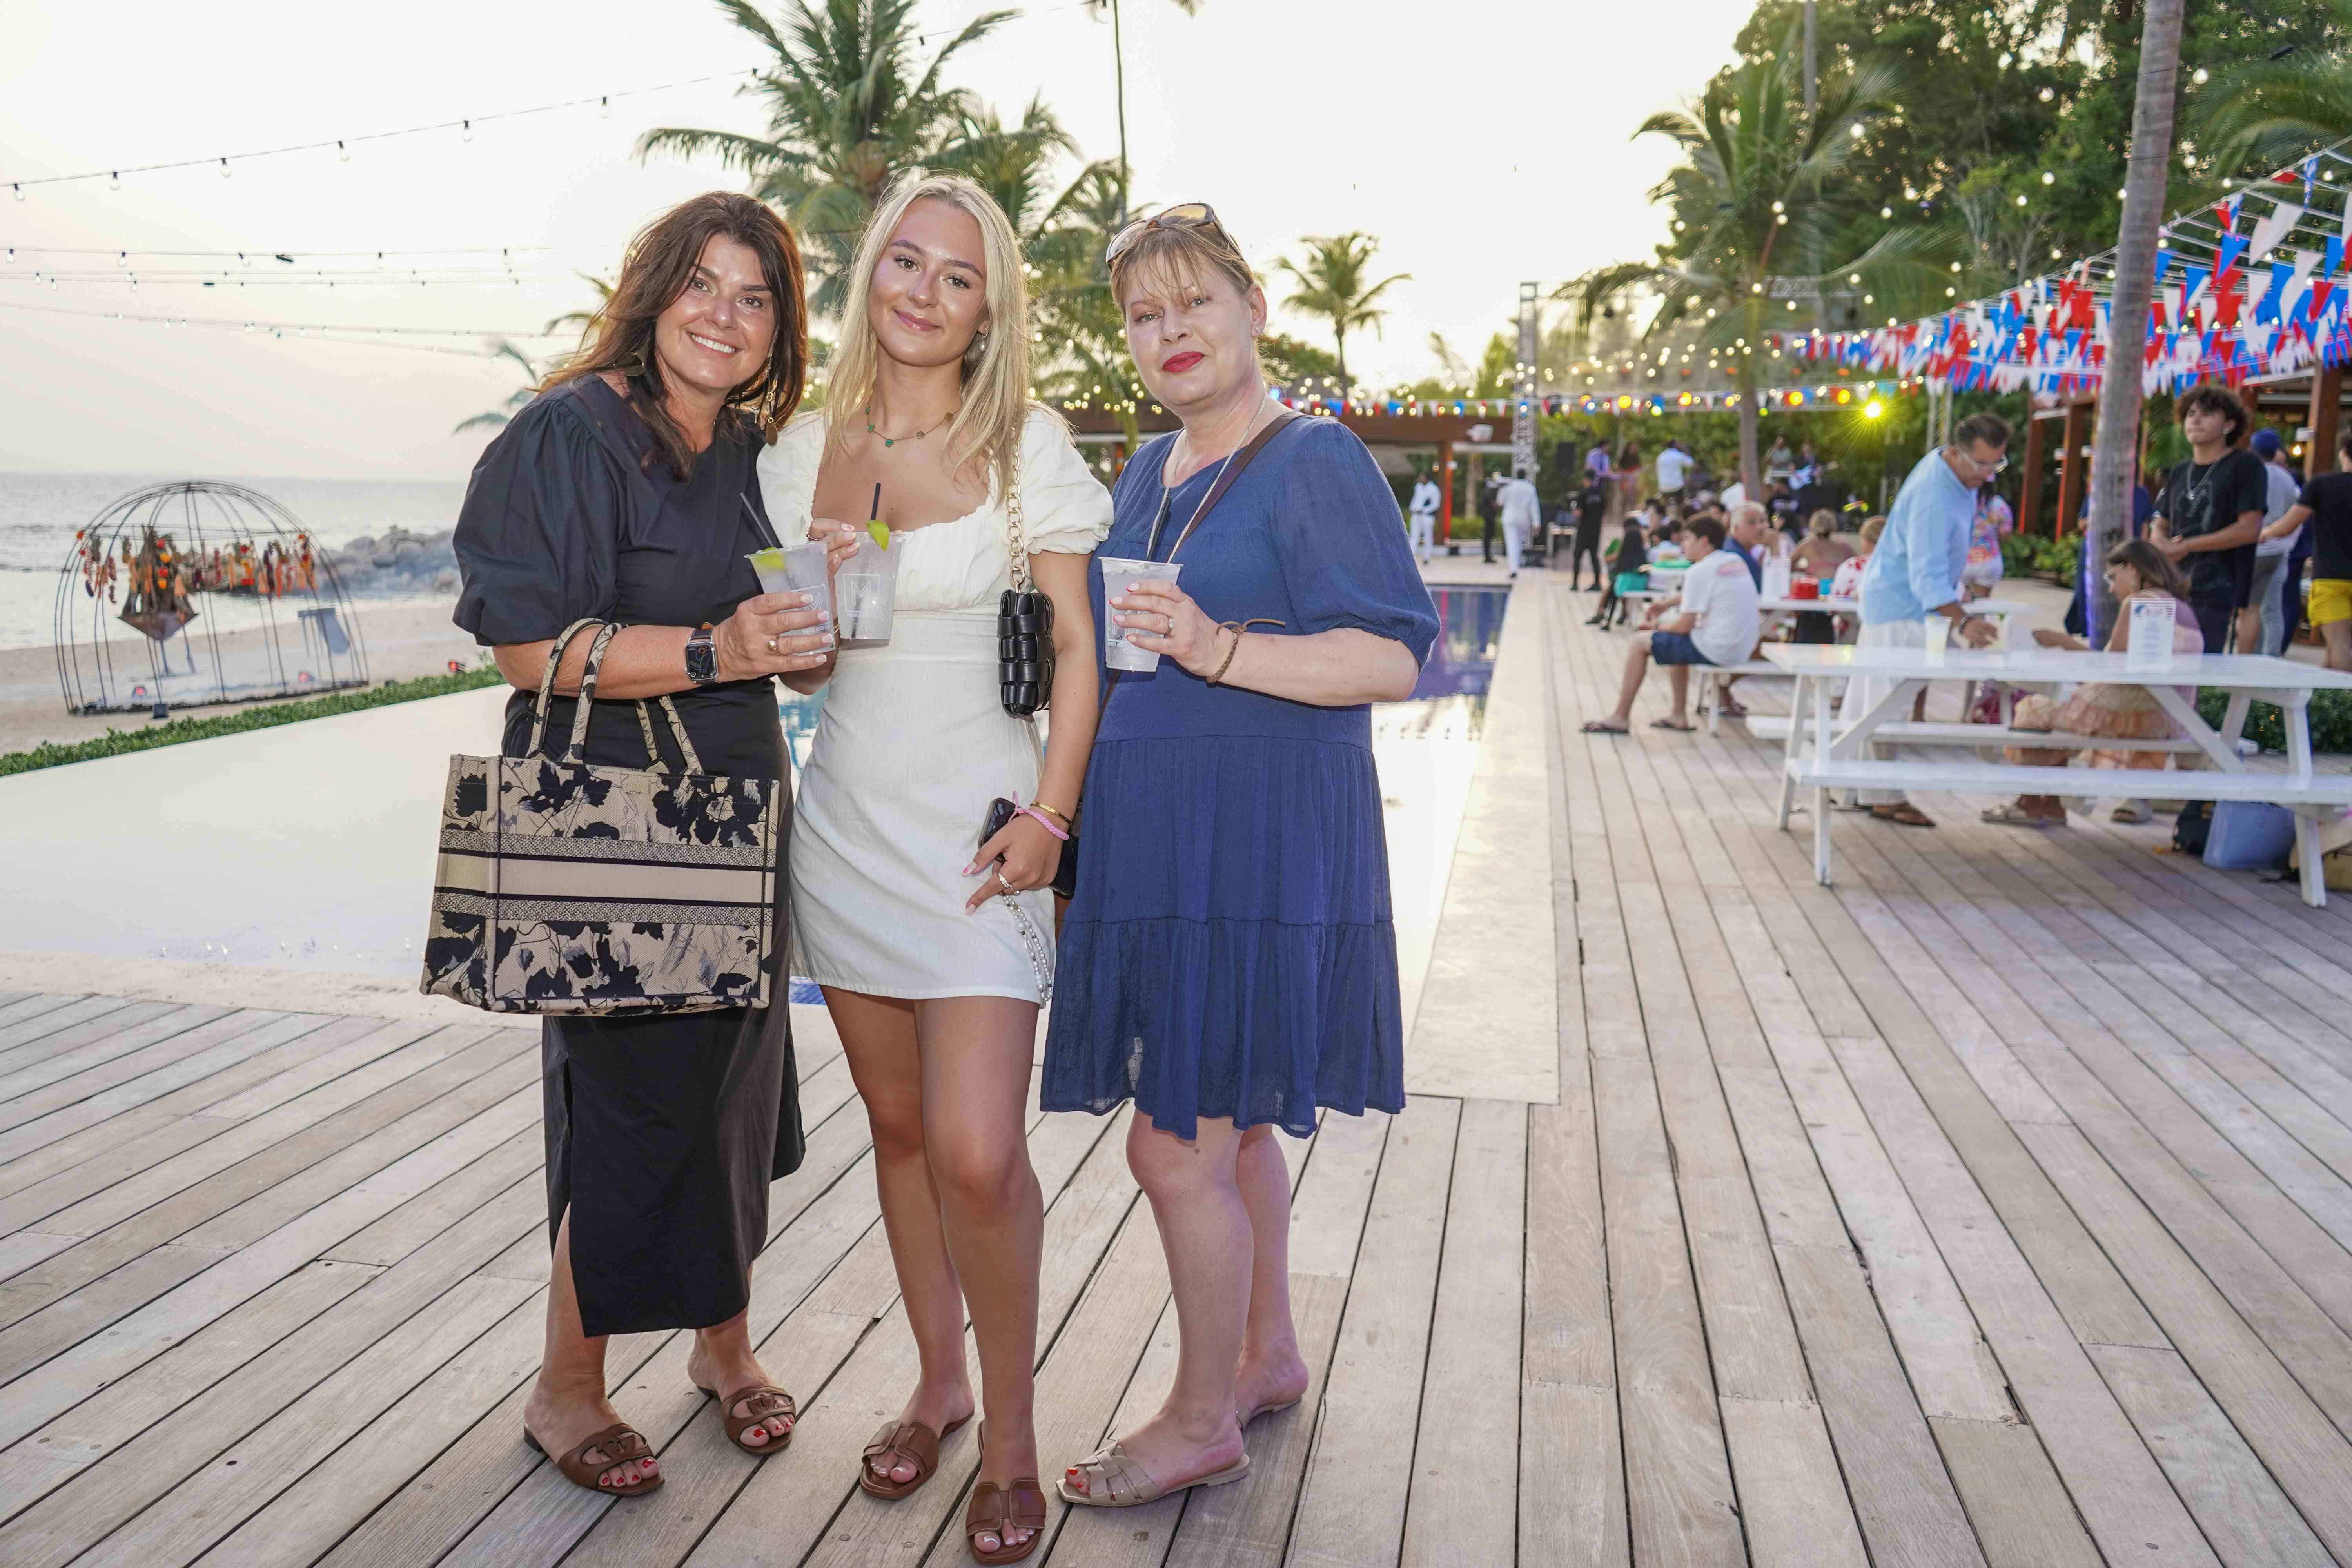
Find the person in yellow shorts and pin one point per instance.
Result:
(2326, 504)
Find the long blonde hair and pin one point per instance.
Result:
(996, 403)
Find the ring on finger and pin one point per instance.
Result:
(1003, 882)
(771, 645)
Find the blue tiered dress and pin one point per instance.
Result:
(1230, 953)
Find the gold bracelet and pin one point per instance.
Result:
(1053, 811)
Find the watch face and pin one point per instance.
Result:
(701, 661)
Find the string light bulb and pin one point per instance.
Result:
(466, 133)
(224, 167)
(343, 153)
(114, 180)
(18, 191)
(604, 107)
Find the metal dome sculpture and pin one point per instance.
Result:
(196, 593)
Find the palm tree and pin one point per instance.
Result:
(1332, 284)
(2266, 113)
(492, 418)
(1119, 76)
(1762, 179)
(849, 106)
(577, 320)
(2119, 396)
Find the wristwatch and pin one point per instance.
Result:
(701, 657)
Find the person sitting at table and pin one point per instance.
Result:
(1714, 621)
(2136, 571)
(1626, 559)
(1847, 582)
(1822, 551)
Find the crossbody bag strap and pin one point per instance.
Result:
(1234, 466)
(1016, 533)
(546, 680)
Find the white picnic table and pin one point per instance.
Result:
(1846, 758)
(1995, 609)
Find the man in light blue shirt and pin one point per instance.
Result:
(1915, 573)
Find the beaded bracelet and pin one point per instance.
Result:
(1039, 818)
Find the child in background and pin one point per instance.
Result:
(1625, 563)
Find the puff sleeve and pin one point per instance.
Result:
(1066, 509)
(538, 537)
(1341, 542)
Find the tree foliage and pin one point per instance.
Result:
(1335, 283)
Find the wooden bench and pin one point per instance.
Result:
(1980, 737)
(1708, 686)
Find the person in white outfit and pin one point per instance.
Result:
(1522, 510)
(1915, 574)
(935, 949)
(1422, 509)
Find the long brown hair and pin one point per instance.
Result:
(659, 266)
(2157, 571)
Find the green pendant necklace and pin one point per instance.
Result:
(894, 440)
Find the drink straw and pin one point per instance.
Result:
(877, 513)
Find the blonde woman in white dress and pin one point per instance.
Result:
(933, 948)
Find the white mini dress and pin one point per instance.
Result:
(914, 743)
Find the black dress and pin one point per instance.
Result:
(664, 1132)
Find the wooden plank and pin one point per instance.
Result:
(198, 1054)
(2249, 1521)
(2022, 1516)
(116, 1414)
(65, 1052)
(1679, 1501)
(245, 1272)
(2116, 1481)
(127, 1177)
(446, 1129)
(21, 1038)
(442, 1504)
(2279, 1418)
(1352, 1506)
(182, 1525)
(158, 1044)
(150, 1464)
(1470, 1397)
(1902, 1495)
(1791, 1506)
(2111, 1479)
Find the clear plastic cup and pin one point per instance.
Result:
(865, 590)
(1938, 630)
(1118, 574)
(795, 569)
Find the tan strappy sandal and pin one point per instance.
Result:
(910, 1440)
(1113, 1479)
(999, 1510)
(623, 1444)
(766, 1402)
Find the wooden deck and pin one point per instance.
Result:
(1992, 1207)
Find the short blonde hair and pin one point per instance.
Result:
(1871, 527)
(1164, 248)
(996, 405)
(1822, 523)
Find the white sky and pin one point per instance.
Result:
(1484, 144)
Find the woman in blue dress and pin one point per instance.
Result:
(1229, 962)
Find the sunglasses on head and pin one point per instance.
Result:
(1183, 214)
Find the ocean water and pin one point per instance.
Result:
(38, 515)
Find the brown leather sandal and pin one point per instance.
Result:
(621, 1443)
(765, 1402)
(909, 1440)
(996, 1511)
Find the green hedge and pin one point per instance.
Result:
(115, 743)
(2331, 719)
(2034, 555)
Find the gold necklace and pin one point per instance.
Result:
(894, 440)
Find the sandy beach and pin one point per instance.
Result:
(404, 640)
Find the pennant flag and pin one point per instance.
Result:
(2274, 227)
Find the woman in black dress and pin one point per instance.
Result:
(627, 491)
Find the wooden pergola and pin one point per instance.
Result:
(1442, 433)
(2317, 396)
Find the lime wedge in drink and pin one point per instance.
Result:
(881, 533)
(769, 560)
